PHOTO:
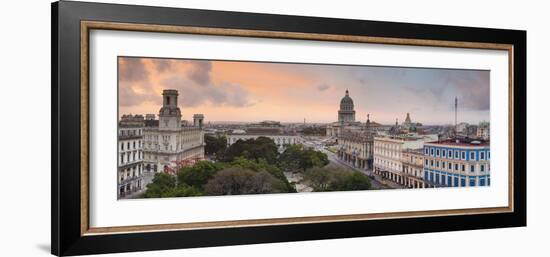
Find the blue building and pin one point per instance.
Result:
(457, 163)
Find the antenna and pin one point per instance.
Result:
(456, 111)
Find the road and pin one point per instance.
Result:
(375, 180)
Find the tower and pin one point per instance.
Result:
(198, 120)
(347, 111)
(368, 121)
(456, 111)
(169, 113)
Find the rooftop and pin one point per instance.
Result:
(462, 142)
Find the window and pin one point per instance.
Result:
(482, 155)
(444, 153)
(449, 180)
(472, 155)
(463, 167)
(426, 151)
(456, 181)
(437, 164)
(121, 158)
(482, 168)
(488, 155)
(463, 155)
(450, 166)
(472, 168)
(472, 181)
(437, 152)
(456, 154)
(432, 151)
(456, 166)
(431, 162)
(481, 181)
(462, 181)
(426, 162)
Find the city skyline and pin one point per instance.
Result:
(253, 91)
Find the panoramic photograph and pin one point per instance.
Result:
(189, 128)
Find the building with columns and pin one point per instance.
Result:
(413, 168)
(388, 154)
(457, 163)
(130, 159)
(356, 148)
(346, 118)
(270, 129)
(170, 142)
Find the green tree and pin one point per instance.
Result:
(334, 179)
(215, 146)
(199, 174)
(237, 181)
(297, 158)
(182, 190)
(253, 149)
(161, 184)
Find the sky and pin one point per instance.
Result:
(255, 91)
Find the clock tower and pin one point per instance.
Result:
(169, 113)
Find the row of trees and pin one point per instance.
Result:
(335, 179)
(241, 176)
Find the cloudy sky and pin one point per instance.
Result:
(253, 91)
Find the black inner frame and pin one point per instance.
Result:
(65, 86)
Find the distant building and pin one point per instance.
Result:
(346, 118)
(388, 154)
(169, 142)
(457, 163)
(483, 130)
(270, 129)
(130, 159)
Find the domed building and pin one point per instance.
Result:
(354, 138)
(347, 111)
(346, 118)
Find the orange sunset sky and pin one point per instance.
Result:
(255, 91)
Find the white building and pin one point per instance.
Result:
(270, 129)
(388, 154)
(169, 142)
(483, 130)
(130, 159)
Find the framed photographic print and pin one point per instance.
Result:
(178, 128)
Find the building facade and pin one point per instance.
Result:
(413, 168)
(169, 142)
(130, 159)
(457, 163)
(388, 154)
(270, 129)
(356, 148)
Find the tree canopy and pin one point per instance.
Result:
(298, 158)
(253, 149)
(215, 146)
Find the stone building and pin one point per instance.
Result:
(169, 142)
(388, 154)
(413, 168)
(130, 159)
(270, 129)
(356, 148)
(346, 118)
